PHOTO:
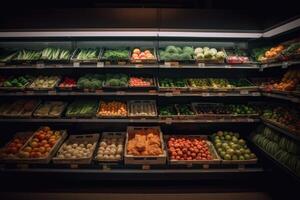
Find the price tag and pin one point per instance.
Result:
(152, 91)
(168, 120)
(40, 65)
(146, 167)
(172, 64)
(168, 94)
(73, 166)
(205, 166)
(244, 92)
(201, 64)
(285, 65)
(106, 167)
(99, 91)
(205, 94)
(52, 92)
(120, 92)
(138, 65)
(176, 92)
(76, 64)
(121, 62)
(100, 64)
(256, 94)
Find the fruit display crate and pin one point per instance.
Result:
(146, 159)
(78, 140)
(206, 163)
(45, 159)
(295, 134)
(113, 135)
(10, 157)
(101, 116)
(144, 61)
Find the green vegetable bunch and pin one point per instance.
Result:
(82, 108)
(184, 109)
(91, 81)
(116, 80)
(116, 54)
(176, 53)
(27, 55)
(175, 82)
(167, 110)
(19, 82)
(87, 54)
(55, 54)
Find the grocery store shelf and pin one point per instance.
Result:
(132, 174)
(279, 64)
(96, 93)
(127, 120)
(214, 66)
(282, 96)
(276, 163)
(210, 94)
(281, 129)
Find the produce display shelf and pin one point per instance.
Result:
(278, 164)
(280, 64)
(214, 66)
(281, 96)
(112, 120)
(134, 174)
(101, 65)
(71, 93)
(281, 130)
(209, 94)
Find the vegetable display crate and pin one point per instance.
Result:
(79, 140)
(11, 89)
(21, 57)
(172, 89)
(19, 109)
(146, 60)
(146, 159)
(142, 109)
(111, 135)
(10, 157)
(216, 160)
(52, 87)
(115, 60)
(99, 115)
(57, 52)
(210, 60)
(45, 110)
(184, 116)
(151, 87)
(80, 110)
(78, 61)
(45, 159)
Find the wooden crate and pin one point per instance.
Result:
(144, 160)
(90, 138)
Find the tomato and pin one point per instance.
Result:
(41, 137)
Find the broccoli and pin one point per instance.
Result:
(175, 56)
(179, 50)
(188, 50)
(185, 56)
(171, 49)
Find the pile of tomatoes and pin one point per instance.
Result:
(41, 144)
(139, 82)
(68, 83)
(185, 148)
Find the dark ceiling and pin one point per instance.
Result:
(242, 14)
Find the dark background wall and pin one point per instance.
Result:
(165, 14)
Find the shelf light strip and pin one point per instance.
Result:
(209, 34)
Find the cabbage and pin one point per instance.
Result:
(198, 50)
(171, 49)
(220, 55)
(213, 51)
(175, 56)
(179, 50)
(185, 56)
(200, 56)
(188, 50)
(205, 49)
